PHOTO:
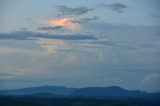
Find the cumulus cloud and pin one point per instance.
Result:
(68, 23)
(117, 7)
(65, 11)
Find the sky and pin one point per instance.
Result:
(80, 43)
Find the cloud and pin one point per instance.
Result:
(51, 45)
(11, 72)
(151, 82)
(27, 35)
(6, 76)
(110, 43)
(85, 20)
(71, 59)
(68, 23)
(66, 11)
(153, 15)
(48, 28)
(99, 43)
(148, 45)
(5, 50)
(117, 7)
(151, 78)
(53, 30)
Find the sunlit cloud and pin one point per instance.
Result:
(68, 23)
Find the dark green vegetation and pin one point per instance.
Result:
(42, 101)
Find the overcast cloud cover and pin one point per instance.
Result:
(80, 43)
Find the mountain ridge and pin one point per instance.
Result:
(39, 89)
(87, 92)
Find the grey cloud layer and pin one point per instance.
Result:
(85, 20)
(117, 7)
(25, 35)
(64, 10)
(51, 28)
(121, 33)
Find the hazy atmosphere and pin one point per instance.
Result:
(80, 43)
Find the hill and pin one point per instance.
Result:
(112, 92)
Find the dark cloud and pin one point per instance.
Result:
(26, 35)
(117, 7)
(48, 28)
(29, 19)
(84, 20)
(99, 43)
(110, 43)
(64, 10)
(71, 50)
(153, 15)
(149, 45)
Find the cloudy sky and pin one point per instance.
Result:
(80, 43)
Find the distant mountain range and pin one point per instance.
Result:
(57, 90)
(113, 92)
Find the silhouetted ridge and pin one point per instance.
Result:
(113, 92)
(101, 91)
(60, 90)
